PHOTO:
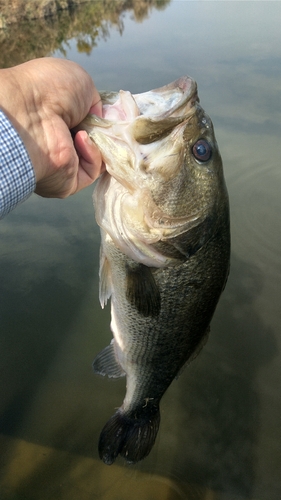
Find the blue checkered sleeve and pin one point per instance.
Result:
(17, 177)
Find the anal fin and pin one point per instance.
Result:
(105, 363)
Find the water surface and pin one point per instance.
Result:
(220, 434)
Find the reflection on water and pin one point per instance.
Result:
(86, 23)
(220, 432)
(229, 421)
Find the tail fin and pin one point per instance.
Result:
(129, 436)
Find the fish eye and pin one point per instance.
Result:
(201, 150)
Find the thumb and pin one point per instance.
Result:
(90, 160)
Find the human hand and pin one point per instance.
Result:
(44, 99)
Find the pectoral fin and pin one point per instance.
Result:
(142, 291)
(106, 363)
(105, 279)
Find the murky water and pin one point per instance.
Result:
(220, 435)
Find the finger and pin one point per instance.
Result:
(96, 109)
(90, 160)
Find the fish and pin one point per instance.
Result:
(163, 210)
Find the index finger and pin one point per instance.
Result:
(96, 109)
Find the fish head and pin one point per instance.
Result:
(164, 172)
(180, 161)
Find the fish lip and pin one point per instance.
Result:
(189, 98)
(185, 83)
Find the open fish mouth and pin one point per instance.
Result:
(135, 126)
(172, 100)
(146, 117)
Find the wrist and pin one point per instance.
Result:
(18, 102)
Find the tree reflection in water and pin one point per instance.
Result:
(88, 23)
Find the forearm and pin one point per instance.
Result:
(17, 178)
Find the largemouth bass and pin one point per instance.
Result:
(162, 207)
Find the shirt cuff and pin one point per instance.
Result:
(17, 177)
